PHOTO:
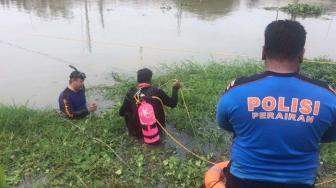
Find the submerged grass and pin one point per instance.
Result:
(39, 145)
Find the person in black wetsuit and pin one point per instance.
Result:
(72, 100)
(129, 108)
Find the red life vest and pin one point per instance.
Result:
(147, 118)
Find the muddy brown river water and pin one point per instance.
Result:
(39, 38)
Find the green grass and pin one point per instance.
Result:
(41, 145)
(202, 87)
(303, 10)
(2, 177)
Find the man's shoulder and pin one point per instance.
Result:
(131, 91)
(152, 91)
(318, 83)
(65, 93)
(245, 80)
(155, 89)
(332, 89)
(256, 77)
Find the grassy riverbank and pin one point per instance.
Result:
(41, 148)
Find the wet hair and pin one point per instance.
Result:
(284, 39)
(76, 74)
(144, 75)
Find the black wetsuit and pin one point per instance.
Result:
(129, 108)
(73, 103)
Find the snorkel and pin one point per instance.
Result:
(77, 78)
(76, 73)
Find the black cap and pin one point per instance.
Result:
(76, 74)
(145, 75)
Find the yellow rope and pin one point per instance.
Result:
(184, 103)
(138, 46)
(36, 52)
(182, 95)
(188, 112)
(178, 142)
(102, 142)
(158, 98)
(325, 182)
(181, 50)
(202, 158)
(184, 147)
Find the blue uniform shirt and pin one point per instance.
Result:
(73, 104)
(278, 121)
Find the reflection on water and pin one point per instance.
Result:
(42, 8)
(208, 9)
(39, 38)
(203, 9)
(88, 34)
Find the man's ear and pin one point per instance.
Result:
(263, 55)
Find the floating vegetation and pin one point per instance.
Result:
(39, 143)
(304, 10)
(166, 7)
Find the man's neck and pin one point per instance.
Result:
(282, 66)
(72, 88)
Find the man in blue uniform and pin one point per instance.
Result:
(278, 117)
(72, 101)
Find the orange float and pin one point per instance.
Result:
(214, 176)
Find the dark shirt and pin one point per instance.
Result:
(129, 109)
(73, 104)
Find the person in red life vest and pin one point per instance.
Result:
(143, 107)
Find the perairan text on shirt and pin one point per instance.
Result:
(299, 110)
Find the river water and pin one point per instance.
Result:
(39, 38)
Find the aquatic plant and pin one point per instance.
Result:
(41, 146)
(2, 177)
(304, 10)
